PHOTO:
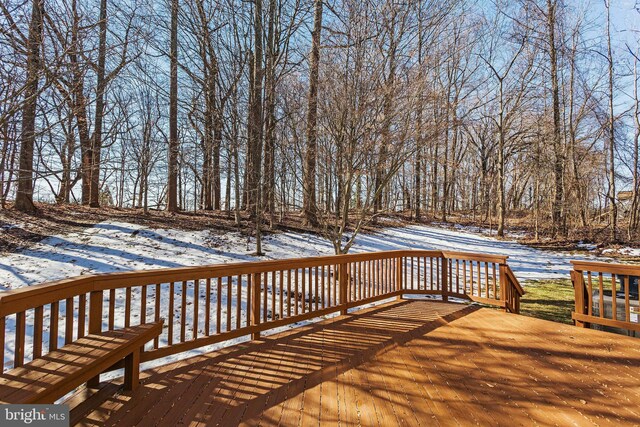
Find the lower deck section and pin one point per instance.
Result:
(411, 362)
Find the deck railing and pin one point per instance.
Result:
(606, 294)
(211, 304)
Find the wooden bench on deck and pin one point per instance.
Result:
(46, 379)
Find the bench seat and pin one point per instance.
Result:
(46, 379)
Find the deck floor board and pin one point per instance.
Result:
(410, 362)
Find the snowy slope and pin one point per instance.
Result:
(114, 246)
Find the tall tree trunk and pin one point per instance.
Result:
(79, 107)
(418, 164)
(611, 194)
(309, 196)
(24, 196)
(268, 188)
(634, 221)
(66, 157)
(172, 185)
(215, 166)
(581, 201)
(256, 126)
(94, 201)
(387, 108)
(558, 211)
(501, 175)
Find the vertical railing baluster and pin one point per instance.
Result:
(68, 321)
(207, 307)
(229, 300)
(297, 293)
(273, 294)
(183, 311)
(317, 283)
(255, 304)
(37, 332)
(196, 307)
(495, 279)
(264, 289)
(342, 287)
(96, 300)
(486, 279)
(398, 283)
(239, 302)
(288, 293)
(590, 295)
(156, 340)
(143, 304)
(172, 289)
(127, 307)
(627, 302)
(614, 303)
(112, 309)
(503, 285)
(445, 279)
(82, 308)
(18, 355)
(53, 326)
(281, 302)
(219, 305)
(249, 299)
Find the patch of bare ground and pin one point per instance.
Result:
(19, 230)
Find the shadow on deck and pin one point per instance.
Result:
(410, 362)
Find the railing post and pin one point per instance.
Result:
(444, 278)
(95, 325)
(255, 303)
(503, 285)
(399, 284)
(579, 294)
(343, 283)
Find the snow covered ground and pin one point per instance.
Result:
(114, 246)
(628, 251)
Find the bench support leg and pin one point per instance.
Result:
(132, 370)
(94, 382)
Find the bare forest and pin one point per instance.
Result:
(335, 112)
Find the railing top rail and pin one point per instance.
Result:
(21, 299)
(470, 256)
(605, 267)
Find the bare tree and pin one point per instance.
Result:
(24, 195)
(312, 119)
(611, 141)
(174, 144)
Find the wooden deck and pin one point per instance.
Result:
(405, 363)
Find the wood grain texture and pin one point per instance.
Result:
(402, 363)
(48, 378)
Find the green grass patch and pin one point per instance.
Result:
(549, 300)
